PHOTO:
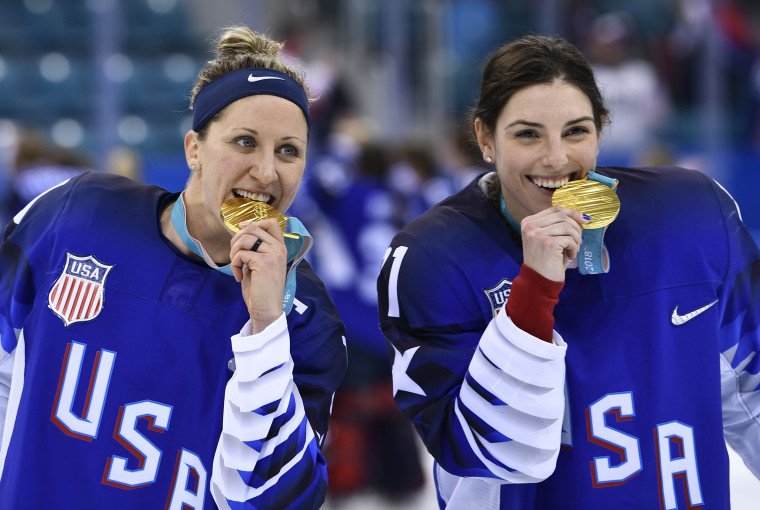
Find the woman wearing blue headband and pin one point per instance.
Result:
(123, 364)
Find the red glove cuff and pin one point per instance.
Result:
(531, 303)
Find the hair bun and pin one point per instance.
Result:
(239, 47)
(244, 41)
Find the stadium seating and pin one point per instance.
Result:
(51, 67)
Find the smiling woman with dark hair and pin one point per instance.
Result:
(571, 336)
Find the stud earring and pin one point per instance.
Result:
(488, 159)
(192, 167)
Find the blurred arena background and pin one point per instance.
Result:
(104, 84)
(107, 77)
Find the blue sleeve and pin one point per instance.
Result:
(23, 258)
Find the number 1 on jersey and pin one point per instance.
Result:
(398, 256)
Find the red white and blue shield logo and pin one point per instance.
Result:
(77, 295)
(498, 295)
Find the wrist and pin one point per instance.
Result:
(531, 303)
(260, 322)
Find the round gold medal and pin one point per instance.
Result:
(237, 210)
(592, 198)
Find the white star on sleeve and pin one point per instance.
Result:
(401, 380)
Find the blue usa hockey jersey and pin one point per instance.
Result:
(650, 366)
(133, 385)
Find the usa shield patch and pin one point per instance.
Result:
(77, 295)
(498, 295)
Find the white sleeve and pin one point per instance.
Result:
(12, 368)
(515, 385)
(267, 447)
(6, 373)
(741, 413)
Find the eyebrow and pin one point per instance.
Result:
(538, 124)
(287, 138)
(284, 138)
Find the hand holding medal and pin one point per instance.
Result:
(244, 210)
(596, 198)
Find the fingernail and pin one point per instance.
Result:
(586, 217)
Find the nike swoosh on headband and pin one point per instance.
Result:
(252, 78)
(241, 83)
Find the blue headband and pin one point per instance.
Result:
(242, 83)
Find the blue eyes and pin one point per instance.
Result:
(244, 142)
(287, 150)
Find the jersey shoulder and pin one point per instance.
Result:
(678, 221)
(440, 268)
(680, 192)
(93, 197)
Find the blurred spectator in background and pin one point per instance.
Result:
(370, 447)
(707, 60)
(633, 90)
(306, 45)
(125, 161)
(461, 159)
(8, 141)
(38, 165)
(416, 177)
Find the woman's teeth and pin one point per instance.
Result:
(550, 183)
(261, 197)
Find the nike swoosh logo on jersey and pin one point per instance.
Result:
(679, 320)
(252, 78)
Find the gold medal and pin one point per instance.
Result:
(237, 210)
(592, 198)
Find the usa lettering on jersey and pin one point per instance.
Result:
(187, 490)
(77, 295)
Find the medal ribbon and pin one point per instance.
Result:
(507, 216)
(297, 249)
(593, 257)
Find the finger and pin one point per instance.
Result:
(556, 213)
(239, 270)
(245, 244)
(560, 227)
(266, 237)
(246, 238)
(579, 217)
(568, 234)
(572, 250)
(237, 273)
(269, 225)
(243, 259)
(577, 220)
